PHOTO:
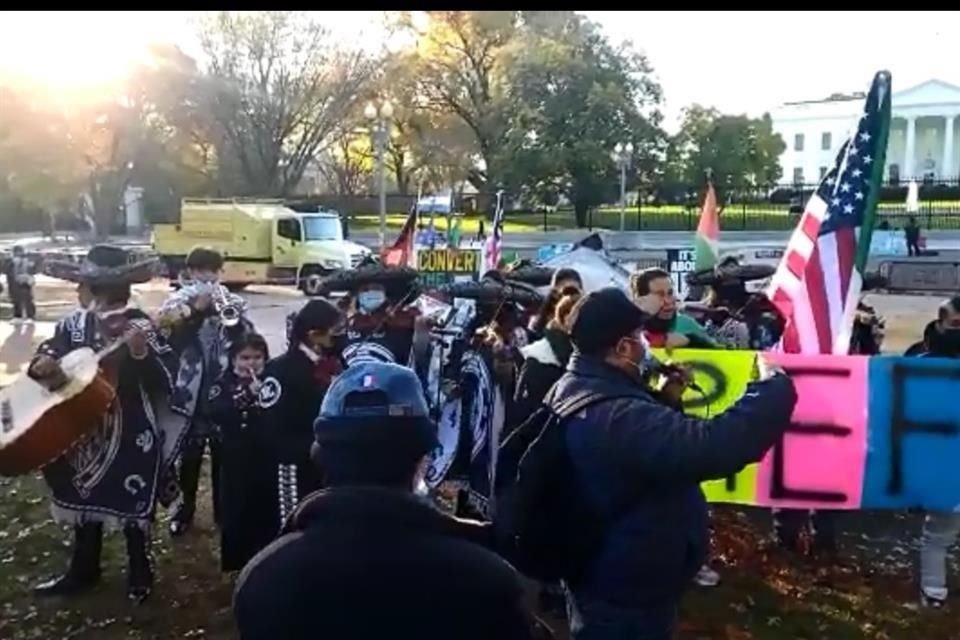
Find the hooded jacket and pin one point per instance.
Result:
(363, 563)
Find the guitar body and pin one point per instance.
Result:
(37, 425)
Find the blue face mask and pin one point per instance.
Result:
(370, 301)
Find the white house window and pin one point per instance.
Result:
(826, 140)
(894, 171)
(798, 142)
(798, 175)
(823, 172)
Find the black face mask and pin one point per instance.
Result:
(945, 342)
(656, 324)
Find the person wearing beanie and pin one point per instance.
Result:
(654, 540)
(367, 557)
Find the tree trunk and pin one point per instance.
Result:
(580, 211)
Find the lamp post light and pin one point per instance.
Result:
(379, 119)
(623, 156)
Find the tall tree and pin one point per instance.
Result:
(574, 96)
(277, 87)
(739, 151)
(458, 64)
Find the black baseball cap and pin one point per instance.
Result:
(601, 318)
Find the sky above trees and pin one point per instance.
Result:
(738, 62)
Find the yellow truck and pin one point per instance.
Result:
(262, 241)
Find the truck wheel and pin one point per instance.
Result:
(236, 287)
(311, 283)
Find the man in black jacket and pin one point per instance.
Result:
(367, 558)
(639, 465)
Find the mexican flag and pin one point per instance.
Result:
(706, 244)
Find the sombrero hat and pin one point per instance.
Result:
(369, 272)
(104, 264)
(730, 274)
(529, 273)
(873, 280)
(493, 291)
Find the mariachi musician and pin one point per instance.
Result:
(209, 319)
(291, 391)
(483, 368)
(383, 323)
(118, 473)
(733, 316)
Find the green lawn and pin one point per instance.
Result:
(765, 595)
(753, 217)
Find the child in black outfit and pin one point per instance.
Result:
(248, 489)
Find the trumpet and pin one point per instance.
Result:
(228, 310)
(229, 307)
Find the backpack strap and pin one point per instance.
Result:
(579, 402)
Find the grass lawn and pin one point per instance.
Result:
(932, 215)
(765, 594)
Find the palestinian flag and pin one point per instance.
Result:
(401, 253)
(706, 244)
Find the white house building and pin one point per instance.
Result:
(923, 139)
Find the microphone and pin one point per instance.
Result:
(670, 371)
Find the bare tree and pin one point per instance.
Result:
(277, 87)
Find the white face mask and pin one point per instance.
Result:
(370, 301)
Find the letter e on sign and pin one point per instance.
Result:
(819, 461)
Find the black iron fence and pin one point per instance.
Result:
(669, 207)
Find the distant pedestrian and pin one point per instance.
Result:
(912, 231)
(22, 269)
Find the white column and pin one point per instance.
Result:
(946, 166)
(907, 173)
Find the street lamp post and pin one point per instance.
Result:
(623, 156)
(379, 119)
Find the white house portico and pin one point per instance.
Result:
(923, 144)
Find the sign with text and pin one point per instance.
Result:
(443, 266)
(866, 433)
(680, 262)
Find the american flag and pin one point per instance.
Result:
(817, 285)
(491, 252)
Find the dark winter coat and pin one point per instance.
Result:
(544, 361)
(371, 563)
(640, 464)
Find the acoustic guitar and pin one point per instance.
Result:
(39, 423)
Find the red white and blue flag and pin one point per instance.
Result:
(817, 285)
(403, 252)
(492, 249)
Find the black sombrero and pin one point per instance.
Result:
(493, 291)
(730, 274)
(873, 280)
(527, 272)
(104, 264)
(369, 272)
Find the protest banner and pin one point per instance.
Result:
(443, 266)
(819, 461)
(723, 377)
(680, 262)
(866, 433)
